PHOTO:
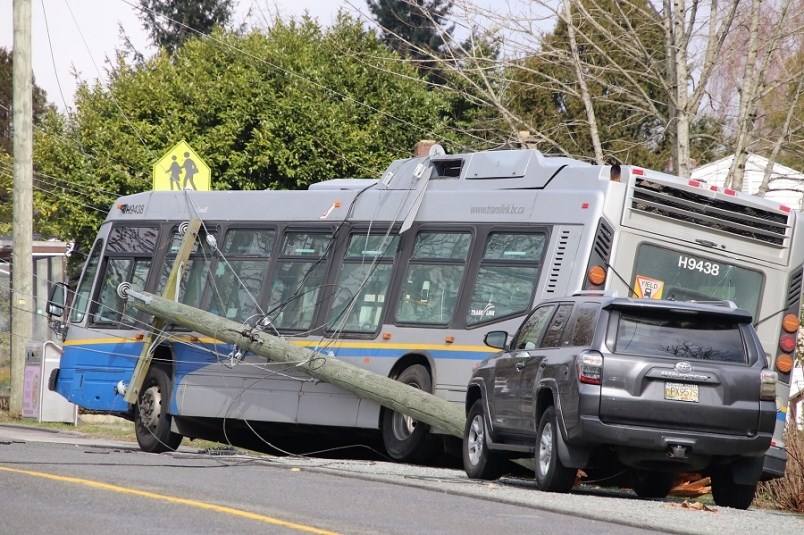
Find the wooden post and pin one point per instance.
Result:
(22, 258)
(170, 292)
(400, 397)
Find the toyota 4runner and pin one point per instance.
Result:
(637, 389)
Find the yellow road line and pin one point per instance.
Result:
(173, 499)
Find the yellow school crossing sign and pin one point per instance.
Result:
(181, 168)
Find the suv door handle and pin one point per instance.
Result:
(520, 365)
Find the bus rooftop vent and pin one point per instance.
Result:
(670, 201)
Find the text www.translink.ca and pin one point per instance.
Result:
(504, 209)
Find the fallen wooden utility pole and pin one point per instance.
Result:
(400, 397)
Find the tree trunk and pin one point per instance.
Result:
(747, 104)
(681, 94)
(585, 98)
(777, 146)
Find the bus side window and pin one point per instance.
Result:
(129, 251)
(240, 274)
(362, 285)
(107, 308)
(82, 294)
(507, 277)
(196, 271)
(434, 277)
(299, 275)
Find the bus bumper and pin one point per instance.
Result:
(774, 463)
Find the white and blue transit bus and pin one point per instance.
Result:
(403, 275)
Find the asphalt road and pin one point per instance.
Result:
(64, 483)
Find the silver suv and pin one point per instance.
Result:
(625, 387)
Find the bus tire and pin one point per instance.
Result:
(151, 417)
(405, 439)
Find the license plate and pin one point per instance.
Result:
(681, 392)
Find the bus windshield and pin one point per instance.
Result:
(662, 273)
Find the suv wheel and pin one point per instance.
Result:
(726, 493)
(478, 461)
(551, 475)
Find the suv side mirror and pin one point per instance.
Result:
(57, 301)
(496, 339)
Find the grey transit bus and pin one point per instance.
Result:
(403, 275)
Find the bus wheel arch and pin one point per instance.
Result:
(405, 439)
(152, 420)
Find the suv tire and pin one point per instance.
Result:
(551, 475)
(479, 461)
(726, 493)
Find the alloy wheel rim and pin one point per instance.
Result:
(545, 449)
(475, 439)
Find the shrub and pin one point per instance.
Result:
(787, 492)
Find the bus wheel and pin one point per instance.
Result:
(405, 439)
(151, 418)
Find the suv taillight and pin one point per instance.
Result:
(590, 367)
(767, 389)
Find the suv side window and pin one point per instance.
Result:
(583, 331)
(553, 336)
(533, 328)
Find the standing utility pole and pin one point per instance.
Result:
(21, 267)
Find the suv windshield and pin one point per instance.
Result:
(682, 338)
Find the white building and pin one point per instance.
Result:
(796, 409)
(786, 185)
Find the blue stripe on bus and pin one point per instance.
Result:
(89, 372)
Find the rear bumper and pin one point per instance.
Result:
(774, 463)
(592, 432)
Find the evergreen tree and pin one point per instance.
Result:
(171, 22)
(40, 104)
(40, 109)
(278, 108)
(415, 29)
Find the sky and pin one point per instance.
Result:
(71, 37)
